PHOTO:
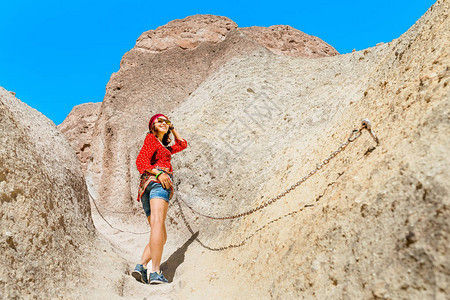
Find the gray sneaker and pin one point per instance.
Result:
(157, 278)
(140, 274)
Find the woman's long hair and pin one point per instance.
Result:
(166, 138)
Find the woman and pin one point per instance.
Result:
(155, 191)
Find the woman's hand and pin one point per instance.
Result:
(165, 180)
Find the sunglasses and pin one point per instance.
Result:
(160, 120)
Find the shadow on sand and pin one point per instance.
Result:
(177, 258)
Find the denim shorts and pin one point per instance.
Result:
(153, 190)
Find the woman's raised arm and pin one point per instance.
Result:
(180, 143)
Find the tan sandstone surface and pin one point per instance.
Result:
(190, 32)
(49, 246)
(378, 223)
(372, 224)
(78, 127)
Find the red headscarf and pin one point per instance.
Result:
(152, 119)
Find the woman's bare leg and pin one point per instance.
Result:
(165, 234)
(158, 233)
(146, 256)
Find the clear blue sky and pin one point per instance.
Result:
(57, 54)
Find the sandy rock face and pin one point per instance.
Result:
(45, 213)
(373, 223)
(48, 243)
(78, 128)
(283, 39)
(186, 33)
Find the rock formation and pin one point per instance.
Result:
(283, 39)
(190, 32)
(78, 128)
(49, 248)
(372, 223)
(44, 212)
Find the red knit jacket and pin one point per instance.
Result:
(154, 155)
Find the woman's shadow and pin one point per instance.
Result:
(177, 258)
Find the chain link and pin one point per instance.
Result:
(356, 133)
(109, 224)
(244, 240)
(186, 223)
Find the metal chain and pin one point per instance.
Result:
(244, 240)
(109, 224)
(110, 210)
(353, 136)
(356, 133)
